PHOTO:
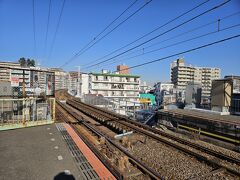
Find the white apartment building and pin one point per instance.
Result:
(74, 82)
(164, 93)
(144, 88)
(120, 89)
(182, 74)
(123, 86)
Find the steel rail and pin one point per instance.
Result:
(140, 164)
(180, 140)
(154, 136)
(106, 162)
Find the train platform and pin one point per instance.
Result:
(205, 115)
(48, 152)
(225, 128)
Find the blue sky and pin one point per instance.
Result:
(83, 20)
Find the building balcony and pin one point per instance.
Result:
(114, 89)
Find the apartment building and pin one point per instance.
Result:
(122, 89)
(61, 78)
(43, 80)
(208, 75)
(111, 85)
(164, 93)
(72, 82)
(122, 69)
(144, 88)
(36, 79)
(5, 72)
(182, 74)
(78, 80)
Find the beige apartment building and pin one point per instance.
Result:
(182, 74)
(61, 78)
(5, 71)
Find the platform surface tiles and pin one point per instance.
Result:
(44, 152)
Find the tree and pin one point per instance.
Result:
(32, 62)
(26, 63)
(22, 62)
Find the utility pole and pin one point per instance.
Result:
(24, 98)
(69, 84)
(78, 82)
(24, 85)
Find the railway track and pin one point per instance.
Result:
(117, 173)
(73, 123)
(109, 118)
(220, 162)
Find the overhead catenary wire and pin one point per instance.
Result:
(192, 30)
(57, 28)
(106, 27)
(187, 40)
(83, 51)
(165, 40)
(154, 30)
(48, 19)
(165, 32)
(184, 41)
(183, 52)
(177, 36)
(34, 28)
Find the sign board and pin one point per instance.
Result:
(42, 111)
(144, 100)
(14, 81)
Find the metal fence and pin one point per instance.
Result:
(26, 82)
(17, 113)
(118, 105)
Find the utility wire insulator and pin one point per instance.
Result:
(218, 24)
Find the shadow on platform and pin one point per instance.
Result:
(64, 176)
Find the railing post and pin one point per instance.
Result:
(53, 111)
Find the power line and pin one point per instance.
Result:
(48, 18)
(171, 38)
(175, 27)
(183, 52)
(184, 41)
(106, 27)
(56, 31)
(34, 27)
(187, 40)
(154, 30)
(81, 52)
(179, 35)
(197, 28)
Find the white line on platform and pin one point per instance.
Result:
(67, 172)
(60, 158)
